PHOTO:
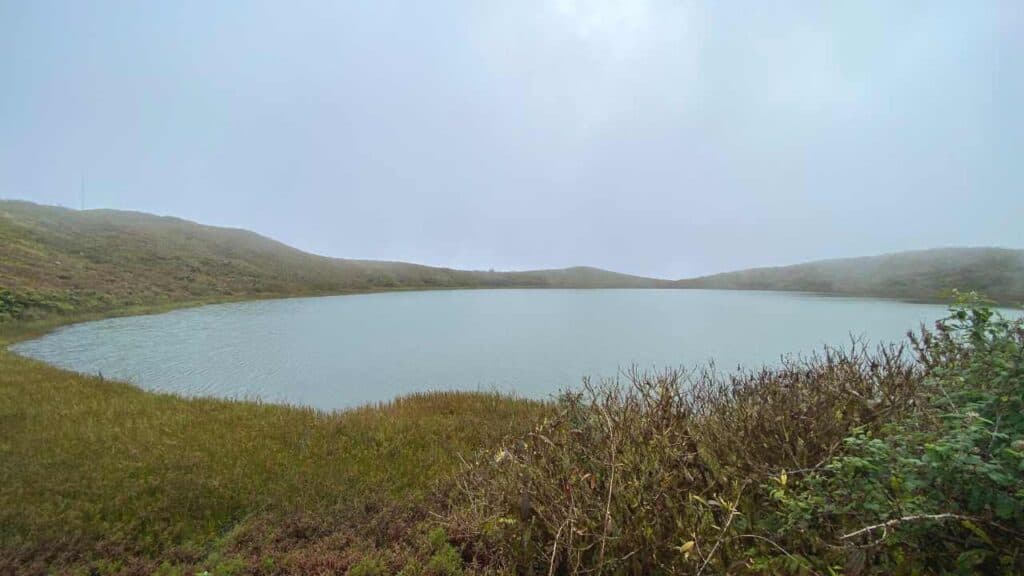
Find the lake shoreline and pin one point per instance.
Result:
(14, 331)
(493, 340)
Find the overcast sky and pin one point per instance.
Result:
(663, 138)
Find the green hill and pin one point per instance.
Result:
(997, 273)
(58, 260)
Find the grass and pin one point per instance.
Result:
(93, 470)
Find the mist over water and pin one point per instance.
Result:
(343, 351)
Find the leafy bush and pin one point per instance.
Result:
(445, 559)
(942, 491)
(10, 307)
(32, 304)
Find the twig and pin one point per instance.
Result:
(554, 549)
(952, 404)
(733, 511)
(608, 500)
(914, 518)
(995, 432)
(817, 466)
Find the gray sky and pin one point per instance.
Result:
(663, 138)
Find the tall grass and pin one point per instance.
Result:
(92, 469)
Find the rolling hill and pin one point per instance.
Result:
(998, 273)
(58, 260)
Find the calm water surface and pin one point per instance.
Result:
(342, 351)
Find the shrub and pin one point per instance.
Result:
(32, 304)
(942, 491)
(369, 567)
(11, 307)
(445, 559)
(657, 473)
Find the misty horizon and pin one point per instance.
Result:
(536, 268)
(660, 139)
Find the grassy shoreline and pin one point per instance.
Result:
(15, 331)
(19, 330)
(102, 476)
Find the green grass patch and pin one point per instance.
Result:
(93, 469)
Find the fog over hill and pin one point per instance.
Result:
(58, 260)
(998, 273)
(63, 258)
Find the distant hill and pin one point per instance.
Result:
(998, 273)
(60, 260)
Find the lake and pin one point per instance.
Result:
(342, 351)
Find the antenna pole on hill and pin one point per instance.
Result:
(81, 190)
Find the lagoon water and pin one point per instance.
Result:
(342, 351)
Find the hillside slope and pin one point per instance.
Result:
(997, 273)
(59, 260)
